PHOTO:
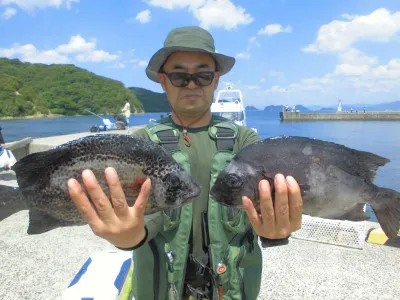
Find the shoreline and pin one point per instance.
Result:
(55, 116)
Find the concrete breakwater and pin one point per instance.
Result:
(341, 116)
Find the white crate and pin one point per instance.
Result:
(336, 232)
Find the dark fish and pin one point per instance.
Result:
(42, 177)
(335, 181)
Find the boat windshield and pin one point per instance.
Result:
(229, 97)
(234, 115)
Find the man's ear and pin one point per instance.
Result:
(216, 80)
(161, 79)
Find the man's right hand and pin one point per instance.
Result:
(120, 224)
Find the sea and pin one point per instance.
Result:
(379, 137)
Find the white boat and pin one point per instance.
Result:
(229, 104)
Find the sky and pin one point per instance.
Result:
(287, 52)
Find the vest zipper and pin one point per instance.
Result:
(156, 269)
(241, 283)
(184, 273)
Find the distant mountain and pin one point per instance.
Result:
(273, 108)
(385, 106)
(34, 89)
(278, 108)
(151, 101)
(251, 108)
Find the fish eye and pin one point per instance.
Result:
(234, 181)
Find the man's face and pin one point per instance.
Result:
(191, 100)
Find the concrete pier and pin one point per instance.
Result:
(341, 116)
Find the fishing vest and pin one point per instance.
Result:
(235, 257)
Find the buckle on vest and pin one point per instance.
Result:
(223, 136)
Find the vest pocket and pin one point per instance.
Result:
(171, 218)
(233, 219)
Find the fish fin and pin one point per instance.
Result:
(11, 201)
(33, 168)
(356, 214)
(386, 205)
(40, 222)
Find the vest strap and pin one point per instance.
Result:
(168, 139)
(225, 139)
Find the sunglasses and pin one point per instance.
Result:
(180, 79)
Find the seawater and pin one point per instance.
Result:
(379, 137)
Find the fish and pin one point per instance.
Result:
(335, 181)
(42, 178)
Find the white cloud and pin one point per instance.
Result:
(262, 79)
(276, 89)
(96, 56)
(76, 44)
(337, 36)
(210, 13)
(246, 54)
(243, 55)
(84, 51)
(253, 87)
(144, 16)
(30, 5)
(221, 13)
(276, 74)
(354, 63)
(138, 63)
(8, 13)
(29, 53)
(175, 4)
(391, 70)
(272, 29)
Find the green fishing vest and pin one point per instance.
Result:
(232, 242)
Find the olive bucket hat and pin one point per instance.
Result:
(191, 38)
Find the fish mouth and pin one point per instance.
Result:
(194, 193)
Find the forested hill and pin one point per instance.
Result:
(29, 89)
(151, 101)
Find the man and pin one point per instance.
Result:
(203, 250)
(126, 110)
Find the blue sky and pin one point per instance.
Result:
(311, 52)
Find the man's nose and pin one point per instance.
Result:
(192, 85)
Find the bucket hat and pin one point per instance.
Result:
(190, 38)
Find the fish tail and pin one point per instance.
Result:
(11, 201)
(386, 205)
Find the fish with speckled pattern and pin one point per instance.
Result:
(42, 178)
(335, 181)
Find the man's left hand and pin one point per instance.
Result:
(278, 218)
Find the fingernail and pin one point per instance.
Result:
(244, 202)
(110, 171)
(70, 184)
(279, 178)
(290, 180)
(87, 173)
(264, 185)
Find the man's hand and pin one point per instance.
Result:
(279, 219)
(120, 224)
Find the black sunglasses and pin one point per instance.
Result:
(181, 79)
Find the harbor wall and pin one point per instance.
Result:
(342, 116)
